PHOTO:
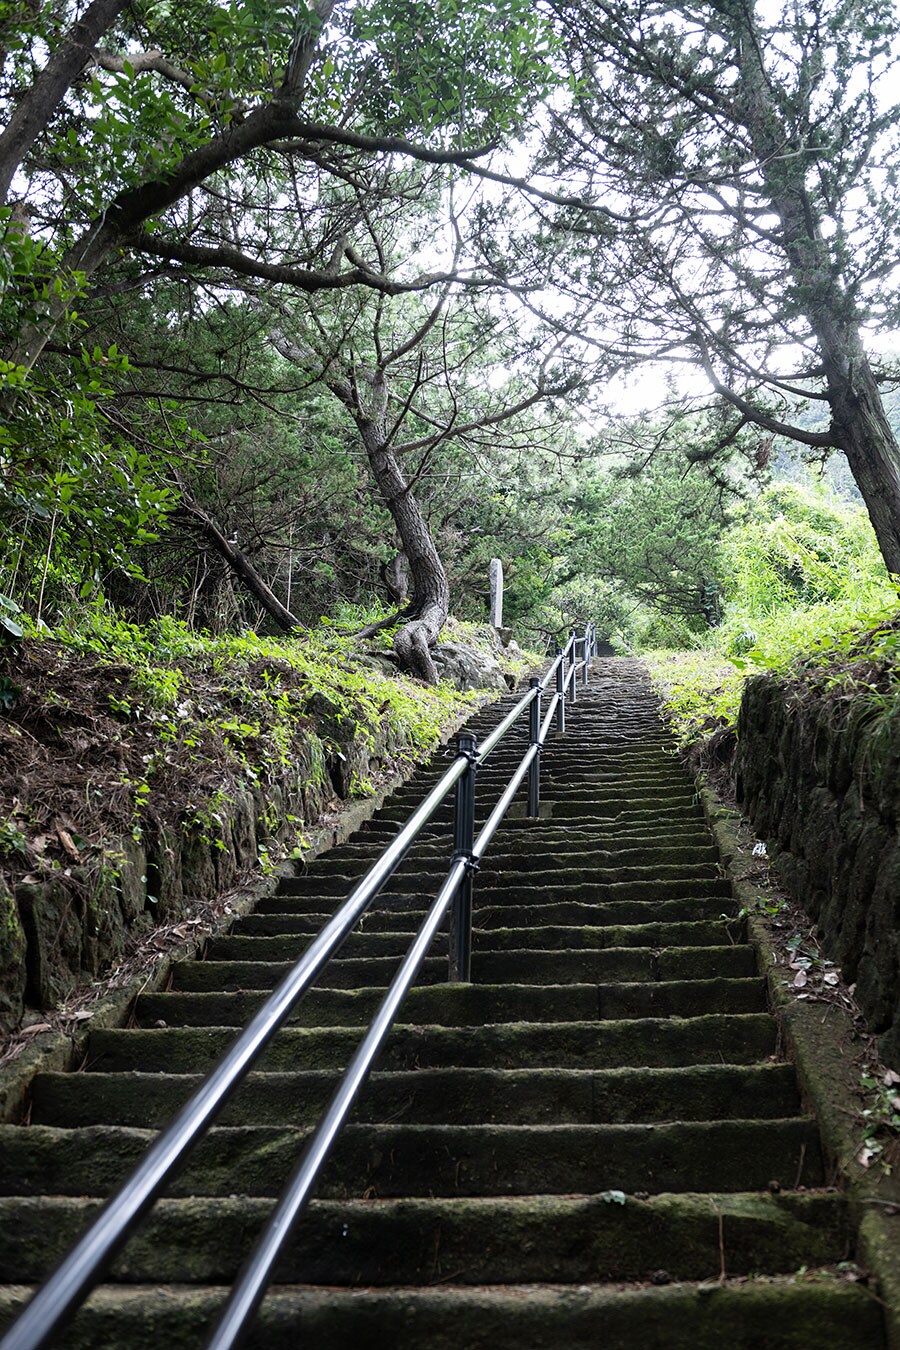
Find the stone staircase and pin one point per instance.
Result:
(595, 1143)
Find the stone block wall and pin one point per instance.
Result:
(818, 774)
(64, 928)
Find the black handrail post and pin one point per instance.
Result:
(561, 692)
(534, 739)
(587, 655)
(463, 844)
(573, 642)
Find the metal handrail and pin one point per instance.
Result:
(54, 1305)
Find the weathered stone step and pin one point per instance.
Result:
(512, 1239)
(519, 966)
(402, 913)
(400, 1160)
(298, 897)
(519, 831)
(451, 1005)
(434, 1096)
(726, 1038)
(659, 812)
(427, 879)
(545, 938)
(350, 860)
(562, 805)
(607, 791)
(774, 1313)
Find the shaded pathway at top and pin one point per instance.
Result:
(594, 1143)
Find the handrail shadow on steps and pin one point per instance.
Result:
(54, 1305)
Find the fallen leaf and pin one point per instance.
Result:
(832, 977)
(35, 1028)
(800, 979)
(890, 1077)
(67, 842)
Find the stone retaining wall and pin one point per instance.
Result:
(65, 928)
(818, 774)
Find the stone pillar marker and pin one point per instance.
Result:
(496, 593)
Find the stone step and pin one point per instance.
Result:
(399, 913)
(519, 831)
(355, 861)
(468, 1005)
(427, 879)
(434, 1096)
(544, 938)
(725, 1038)
(298, 899)
(507, 1239)
(410, 1160)
(775, 1313)
(516, 966)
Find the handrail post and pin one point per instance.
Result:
(572, 673)
(534, 739)
(587, 655)
(463, 844)
(561, 693)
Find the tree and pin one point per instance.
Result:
(415, 381)
(746, 157)
(159, 142)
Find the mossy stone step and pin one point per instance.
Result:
(434, 1096)
(404, 914)
(495, 1240)
(409, 1160)
(503, 1003)
(427, 879)
(520, 831)
(300, 896)
(776, 1313)
(564, 789)
(561, 806)
(546, 938)
(724, 1038)
(493, 887)
(518, 966)
(356, 861)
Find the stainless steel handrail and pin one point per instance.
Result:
(55, 1303)
(88, 1260)
(249, 1289)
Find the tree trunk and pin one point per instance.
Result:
(862, 431)
(429, 605)
(36, 107)
(241, 566)
(396, 579)
(859, 426)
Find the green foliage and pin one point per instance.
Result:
(700, 690)
(242, 700)
(805, 584)
(469, 71)
(881, 1119)
(76, 497)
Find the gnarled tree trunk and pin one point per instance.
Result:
(427, 609)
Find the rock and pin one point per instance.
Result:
(52, 917)
(465, 668)
(12, 960)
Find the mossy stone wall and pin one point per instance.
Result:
(59, 930)
(818, 774)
